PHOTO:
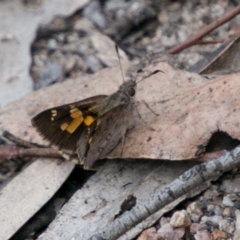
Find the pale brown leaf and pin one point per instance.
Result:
(223, 60)
(190, 109)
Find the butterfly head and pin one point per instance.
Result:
(129, 88)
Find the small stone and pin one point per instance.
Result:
(218, 234)
(195, 227)
(178, 233)
(195, 212)
(93, 63)
(60, 37)
(210, 208)
(163, 221)
(232, 186)
(233, 196)
(195, 218)
(236, 235)
(52, 43)
(180, 219)
(163, 17)
(149, 234)
(218, 210)
(217, 200)
(169, 40)
(227, 212)
(201, 198)
(165, 231)
(202, 235)
(209, 194)
(181, 36)
(213, 219)
(50, 73)
(81, 64)
(72, 38)
(237, 214)
(237, 204)
(226, 226)
(227, 201)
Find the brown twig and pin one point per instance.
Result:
(9, 151)
(27, 149)
(204, 42)
(192, 40)
(19, 141)
(210, 156)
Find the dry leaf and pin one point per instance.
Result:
(221, 61)
(190, 109)
(228, 59)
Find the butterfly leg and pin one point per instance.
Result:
(156, 114)
(127, 123)
(123, 143)
(124, 131)
(140, 117)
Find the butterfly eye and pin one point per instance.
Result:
(131, 92)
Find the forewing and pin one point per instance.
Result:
(63, 126)
(104, 135)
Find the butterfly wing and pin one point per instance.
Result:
(63, 126)
(104, 135)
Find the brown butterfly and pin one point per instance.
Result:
(90, 128)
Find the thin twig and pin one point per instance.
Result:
(9, 151)
(146, 104)
(19, 141)
(191, 179)
(205, 42)
(210, 156)
(192, 40)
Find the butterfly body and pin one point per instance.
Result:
(90, 128)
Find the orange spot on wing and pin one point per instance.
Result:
(75, 113)
(77, 117)
(64, 126)
(88, 120)
(71, 127)
(76, 122)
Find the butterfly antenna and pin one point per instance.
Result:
(149, 75)
(116, 47)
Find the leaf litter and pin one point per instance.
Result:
(190, 108)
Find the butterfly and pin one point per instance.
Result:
(90, 128)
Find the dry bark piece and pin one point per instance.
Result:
(94, 206)
(28, 192)
(191, 180)
(121, 173)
